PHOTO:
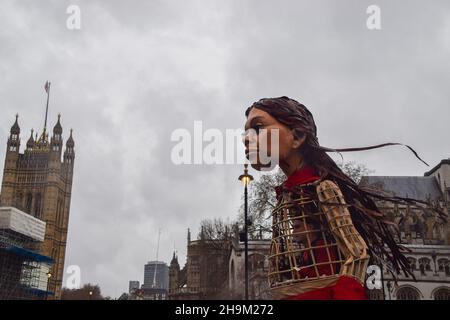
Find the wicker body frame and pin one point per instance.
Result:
(314, 241)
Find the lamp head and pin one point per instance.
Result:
(246, 178)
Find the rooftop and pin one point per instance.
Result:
(420, 188)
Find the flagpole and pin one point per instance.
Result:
(46, 109)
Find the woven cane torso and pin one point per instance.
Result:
(307, 252)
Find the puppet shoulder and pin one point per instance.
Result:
(326, 185)
(328, 189)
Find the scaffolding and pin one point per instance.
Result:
(24, 272)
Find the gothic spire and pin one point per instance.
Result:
(30, 142)
(57, 129)
(15, 129)
(70, 143)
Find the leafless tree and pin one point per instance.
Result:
(355, 170)
(215, 229)
(87, 292)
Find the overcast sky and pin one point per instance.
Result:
(137, 70)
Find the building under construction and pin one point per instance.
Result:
(24, 272)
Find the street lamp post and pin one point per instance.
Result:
(246, 179)
(90, 295)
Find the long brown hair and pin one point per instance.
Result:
(371, 223)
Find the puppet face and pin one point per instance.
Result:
(270, 138)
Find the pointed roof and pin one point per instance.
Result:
(30, 142)
(70, 143)
(188, 236)
(15, 129)
(174, 259)
(57, 129)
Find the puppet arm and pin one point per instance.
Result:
(348, 239)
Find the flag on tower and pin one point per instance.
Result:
(47, 86)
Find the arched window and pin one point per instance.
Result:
(437, 231)
(412, 263)
(37, 206)
(442, 294)
(408, 293)
(444, 266)
(29, 202)
(55, 255)
(19, 200)
(256, 262)
(59, 213)
(424, 265)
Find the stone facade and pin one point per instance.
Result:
(205, 275)
(421, 231)
(258, 267)
(39, 182)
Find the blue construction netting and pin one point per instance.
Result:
(34, 256)
(38, 292)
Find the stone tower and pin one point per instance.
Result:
(39, 182)
(174, 271)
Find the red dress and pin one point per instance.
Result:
(346, 288)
